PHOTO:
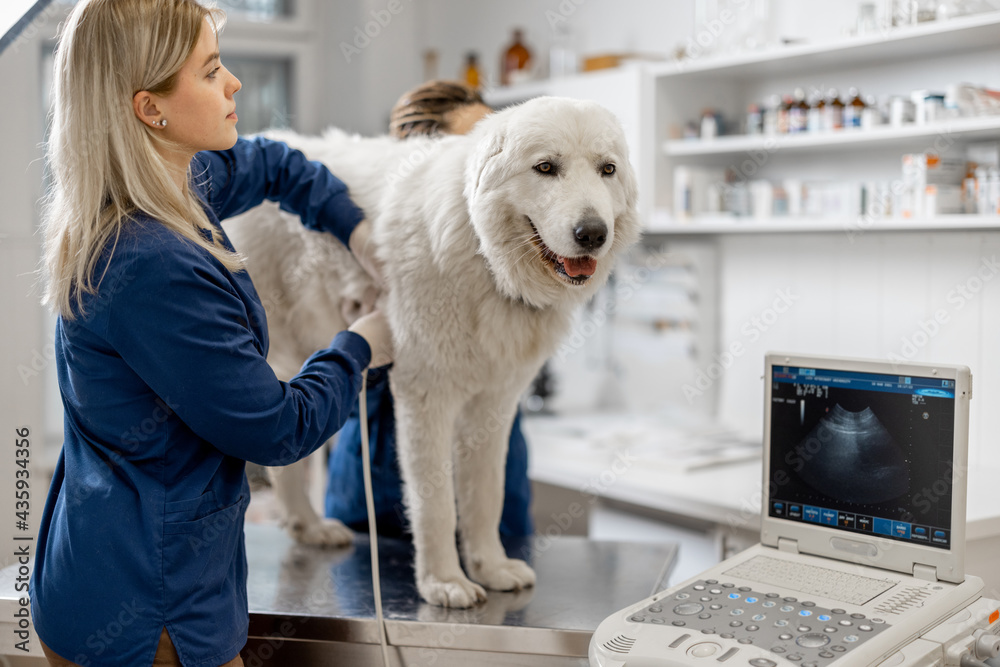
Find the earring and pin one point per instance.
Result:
(161, 123)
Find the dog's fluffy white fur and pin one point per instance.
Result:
(485, 242)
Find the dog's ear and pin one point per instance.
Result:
(486, 161)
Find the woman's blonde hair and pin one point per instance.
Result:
(104, 161)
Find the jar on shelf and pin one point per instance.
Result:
(817, 112)
(854, 108)
(755, 120)
(472, 75)
(516, 64)
(834, 111)
(798, 112)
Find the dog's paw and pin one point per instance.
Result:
(457, 592)
(322, 533)
(509, 574)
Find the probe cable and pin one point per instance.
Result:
(370, 502)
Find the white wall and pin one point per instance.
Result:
(25, 351)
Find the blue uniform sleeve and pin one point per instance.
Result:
(238, 179)
(176, 319)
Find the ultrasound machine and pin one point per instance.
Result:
(861, 553)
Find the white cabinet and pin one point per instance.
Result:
(928, 56)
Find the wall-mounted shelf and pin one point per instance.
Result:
(966, 33)
(883, 136)
(798, 225)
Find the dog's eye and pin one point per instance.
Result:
(608, 169)
(545, 168)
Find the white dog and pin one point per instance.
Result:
(488, 243)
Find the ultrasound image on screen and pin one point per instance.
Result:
(862, 452)
(855, 458)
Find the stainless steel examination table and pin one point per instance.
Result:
(311, 606)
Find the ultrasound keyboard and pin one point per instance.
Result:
(755, 623)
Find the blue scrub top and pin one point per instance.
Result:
(345, 492)
(166, 394)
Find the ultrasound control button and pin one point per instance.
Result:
(688, 609)
(784, 636)
(656, 610)
(682, 596)
(727, 635)
(865, 628)
(716, 591)
(845, 622)
(704, 650)
(715, 607)
(809, 664)
(824, 617)
(752, 628)
(745, 640)
(794, 657)
(735, 624)
(851, 638)
(711, 581)
(704, 616)
(759, 617)
(790, 599)
(699, 587)
(637, 618)
(679, 624)
(736, 612)
(857, 615)
(787, 608)
(838, 611)
(778, 649)
(781, 623)
(768, 604)
(812, 640)
(705, 598)
(659, 621)
(877, 620)
(763, 662)
(838, 648)
(772, 595)
(728, 585)
(826, 654)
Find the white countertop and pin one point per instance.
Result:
(646, 462)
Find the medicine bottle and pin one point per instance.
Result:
(798, 112)
(515, 67)
(817, 112)
(834, 111)
(854, 108)
(472, 75)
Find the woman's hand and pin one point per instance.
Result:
(374, 328)
(363, 249)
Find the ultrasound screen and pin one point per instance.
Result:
(865, 453)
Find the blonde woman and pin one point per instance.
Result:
(161, 341)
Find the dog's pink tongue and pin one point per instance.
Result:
(579, 266)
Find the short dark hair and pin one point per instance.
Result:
(421, 110)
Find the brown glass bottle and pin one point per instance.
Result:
(516, 62)
(834, 111)
(854, 108)
(472, 76)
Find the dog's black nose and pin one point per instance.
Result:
(591, 233)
